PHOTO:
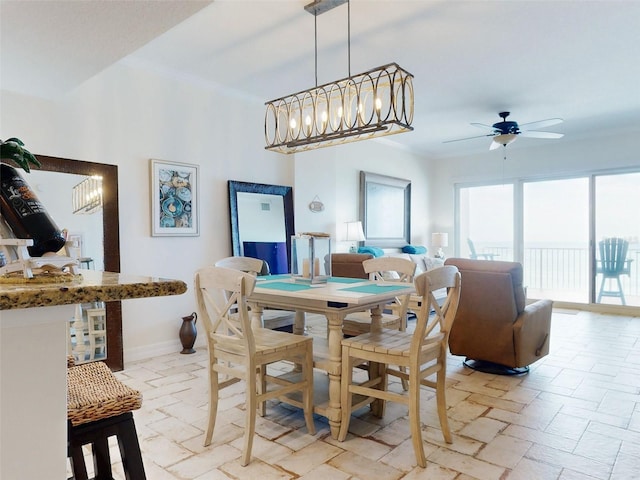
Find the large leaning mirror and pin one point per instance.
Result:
(105, 251)
(262, 222)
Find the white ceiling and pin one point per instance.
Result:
(578, 60)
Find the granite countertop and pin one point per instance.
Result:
(91, 287)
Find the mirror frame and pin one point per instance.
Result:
(287, 196)
(111, 239)
(373, 220)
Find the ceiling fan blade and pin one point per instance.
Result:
(483, 126)
(541, 123)
(536, 134)
(468, 138)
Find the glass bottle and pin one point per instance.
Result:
(25, 214)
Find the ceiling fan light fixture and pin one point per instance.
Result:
(505, 138)
(371, 104)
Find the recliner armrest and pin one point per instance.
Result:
(531, 332)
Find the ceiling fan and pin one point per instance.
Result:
(506, 131)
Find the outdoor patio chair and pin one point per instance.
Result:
(613, 263)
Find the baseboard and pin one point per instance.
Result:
(146, 352)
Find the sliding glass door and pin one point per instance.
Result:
(617, 230)
(556, 239)
(555, 227)
(486, 221)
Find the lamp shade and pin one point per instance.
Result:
(355, 233)
(439, 240)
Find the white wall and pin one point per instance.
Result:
(125, 117)
(334, 175)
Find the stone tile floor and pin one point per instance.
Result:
(575, 416)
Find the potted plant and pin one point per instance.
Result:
(13, 149)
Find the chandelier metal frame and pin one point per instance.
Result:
(371, 104)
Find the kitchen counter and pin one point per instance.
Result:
(34, 319)
(90, 286)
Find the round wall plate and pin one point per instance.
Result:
(316, 206)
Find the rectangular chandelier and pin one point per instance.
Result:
(371, 104)
(87, 195)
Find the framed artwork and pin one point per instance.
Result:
(385, 210)
(174, 199)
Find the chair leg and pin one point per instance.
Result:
(262, 387)
(250, 422)
(620, 290)
(307, 393)
(213, 405)
(442, 405)
(414, 417)
(130, 451)
(346, 397)
(101, 458)
(78, 466)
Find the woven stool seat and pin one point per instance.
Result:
(95, 393)
(98, 407)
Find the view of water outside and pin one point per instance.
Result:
(555, 230)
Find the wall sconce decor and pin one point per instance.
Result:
(372, 104)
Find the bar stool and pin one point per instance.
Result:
(99, 406)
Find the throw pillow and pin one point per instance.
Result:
(414, 249)
(375, 251)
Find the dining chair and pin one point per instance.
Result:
(239, 352)
(251, 265)
(383, 270)
(271, 318)
(613, 263)
(423, 353)
(475, 255)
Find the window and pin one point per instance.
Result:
(553, 227)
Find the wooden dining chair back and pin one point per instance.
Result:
(383, 270)
(272, 318)
(238, 352)
(418, 356)
(613, 263)
(251, 265)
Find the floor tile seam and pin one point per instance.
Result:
(562, 463)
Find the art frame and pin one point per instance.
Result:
(174, 199)
(385, 210)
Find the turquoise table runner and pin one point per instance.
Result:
(281, 276)
(286, 286)
(346, 280)
(373, 288)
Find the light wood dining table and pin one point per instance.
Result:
(334, 299)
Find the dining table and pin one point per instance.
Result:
(335, 298)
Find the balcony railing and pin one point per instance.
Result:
(566, 270)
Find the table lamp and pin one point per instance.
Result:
(355, 233)
(439, 240)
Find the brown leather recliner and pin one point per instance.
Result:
(493, 323)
